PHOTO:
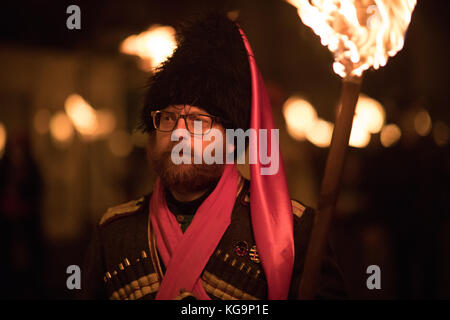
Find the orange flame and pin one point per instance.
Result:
(360, 33)
(153, 46)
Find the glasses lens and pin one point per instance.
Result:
(198, 123)
(165, 121)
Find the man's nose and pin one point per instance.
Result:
(181, 124)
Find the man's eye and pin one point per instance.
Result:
(167, 117)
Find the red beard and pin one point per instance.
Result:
(183, 177)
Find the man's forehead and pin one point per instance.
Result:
(186, 107)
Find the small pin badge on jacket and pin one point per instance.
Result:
(241, 248)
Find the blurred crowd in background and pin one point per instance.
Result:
(69, 148)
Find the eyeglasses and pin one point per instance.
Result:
(166, 121)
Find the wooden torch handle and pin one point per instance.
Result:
(329, 188)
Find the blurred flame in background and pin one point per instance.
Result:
(359, 136)
(360, 33)
(61, 129)
(90, 123)
(303, 123)
(320, 133)
(422, 123)
(369, 118)
(390, 134)
(2, 139)
(152, 46)
(441, 133)
(369, 114)
(83, 116)
(300, 117)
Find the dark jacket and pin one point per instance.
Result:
(122, 261)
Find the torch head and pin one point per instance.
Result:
(360, 33)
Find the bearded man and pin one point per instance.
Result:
(206, 232)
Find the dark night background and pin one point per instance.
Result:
(393, 210)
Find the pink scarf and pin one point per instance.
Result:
(186, 255)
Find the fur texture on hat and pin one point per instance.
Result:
(209, 69)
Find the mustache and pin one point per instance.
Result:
(184, 177)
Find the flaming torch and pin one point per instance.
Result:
(361, 34)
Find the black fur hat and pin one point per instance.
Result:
(209, 69)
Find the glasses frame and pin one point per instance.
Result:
(214, 119)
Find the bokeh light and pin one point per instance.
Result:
(389, 135)
(422, 123)
(61, 129)
(300, 117)
(320, 133)
(369, 114)
(153, 46)
(359, 136)
(441, 133)
(83, 116)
